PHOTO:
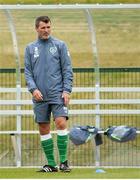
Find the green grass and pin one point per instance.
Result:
(123, 173)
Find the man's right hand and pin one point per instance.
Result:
(37, 95)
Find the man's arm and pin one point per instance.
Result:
(30, 78)
(28, 71)
(66, 66)
(67, 73)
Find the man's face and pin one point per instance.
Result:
(44, 30)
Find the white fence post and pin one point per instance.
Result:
(18, 80)
(97, 79)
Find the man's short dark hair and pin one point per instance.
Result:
(44, 19)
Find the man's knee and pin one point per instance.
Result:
(61, 123)
(44, 128)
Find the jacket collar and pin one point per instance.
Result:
(44, 40)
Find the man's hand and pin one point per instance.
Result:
(37, 95)
(66, 97)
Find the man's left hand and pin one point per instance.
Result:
(66, 97)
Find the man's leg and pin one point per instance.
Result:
(42, 118)
(62, 138)
(62, 142)
(47, 143)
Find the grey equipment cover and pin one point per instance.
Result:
(121, 133)
(81, 134)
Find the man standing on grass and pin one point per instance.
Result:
(49, 77)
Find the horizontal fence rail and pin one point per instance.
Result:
(74, 101)
(75, 6)
(84, 89)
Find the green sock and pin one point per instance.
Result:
(47, 146)
(62, 143)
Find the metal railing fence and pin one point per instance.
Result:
(84, 77)
(119, 104)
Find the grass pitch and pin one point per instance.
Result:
(77, 173)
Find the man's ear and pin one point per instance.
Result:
(36, 29)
